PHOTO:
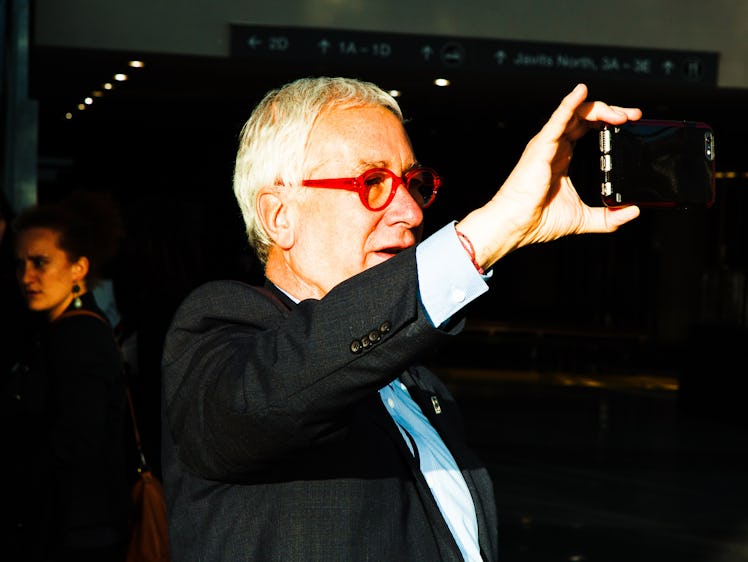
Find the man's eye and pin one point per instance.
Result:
(374, 179)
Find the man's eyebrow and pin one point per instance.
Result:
(368, 165)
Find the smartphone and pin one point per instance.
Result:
(657, 163)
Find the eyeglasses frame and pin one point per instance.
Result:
(358, 185)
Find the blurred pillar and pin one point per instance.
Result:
(20, 129)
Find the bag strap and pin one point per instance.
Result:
(83, 312)
(143, 464)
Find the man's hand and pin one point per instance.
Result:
(538, 201)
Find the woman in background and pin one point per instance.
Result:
(65, 400)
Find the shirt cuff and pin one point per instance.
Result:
(447, 278)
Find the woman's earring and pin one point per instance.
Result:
(77, 303)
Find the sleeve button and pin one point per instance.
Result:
(458, 295)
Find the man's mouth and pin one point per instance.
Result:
(391, 251)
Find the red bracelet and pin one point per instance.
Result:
(468, 245)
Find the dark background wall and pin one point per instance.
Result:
(164, 141)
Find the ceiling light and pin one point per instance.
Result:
(441, 82)
(119, 77)
(136, 64)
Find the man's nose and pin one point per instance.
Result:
(404, 201)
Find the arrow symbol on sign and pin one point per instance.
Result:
(254, 42)
(452, 53)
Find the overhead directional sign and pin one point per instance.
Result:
(493, 56)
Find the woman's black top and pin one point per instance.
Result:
(63, 424)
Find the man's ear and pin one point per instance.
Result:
(275, 216)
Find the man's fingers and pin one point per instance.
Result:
(613, 114)
(559, 121)
(614, 217)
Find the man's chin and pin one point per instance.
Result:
(380, 257)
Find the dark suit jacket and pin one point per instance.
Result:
(277, 445)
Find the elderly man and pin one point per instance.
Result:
(298, 422)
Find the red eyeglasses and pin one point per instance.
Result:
(376, 187)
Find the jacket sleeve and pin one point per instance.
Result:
(246, 384)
